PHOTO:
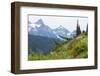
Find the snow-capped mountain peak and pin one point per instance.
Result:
(40, 21)
(60, 27)
(40, 29)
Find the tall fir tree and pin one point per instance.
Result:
(87, 29)
(78, 30)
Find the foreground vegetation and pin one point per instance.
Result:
(72, 49)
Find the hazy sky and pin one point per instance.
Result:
(69, 22)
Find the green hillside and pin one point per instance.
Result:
(75, 48)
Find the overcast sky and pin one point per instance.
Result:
(69, 22)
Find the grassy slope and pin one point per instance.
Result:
(76, 48)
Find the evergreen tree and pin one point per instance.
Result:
(87, 29)
(83, 31)
(78, 30)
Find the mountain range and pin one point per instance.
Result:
(41, 38)
(41, 29)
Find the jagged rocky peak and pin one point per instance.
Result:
(60, 26)
(40, 21)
